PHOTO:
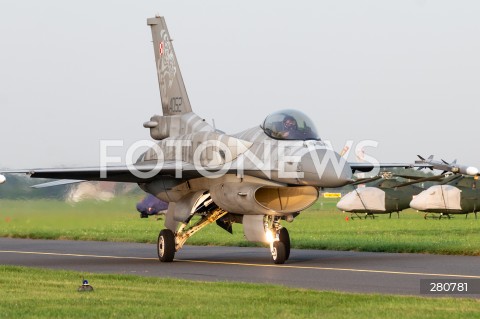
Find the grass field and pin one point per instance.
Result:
(320, 227)
(39, 293)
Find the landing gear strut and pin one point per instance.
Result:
(168, 242)
(280, 241)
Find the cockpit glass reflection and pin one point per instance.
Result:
(290, 125)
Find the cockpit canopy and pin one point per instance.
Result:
(290, 125)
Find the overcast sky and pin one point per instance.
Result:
(403, 73)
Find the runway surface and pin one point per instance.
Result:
(315, 269)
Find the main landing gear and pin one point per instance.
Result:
(279, 239)
(169, 243)
(166, 245)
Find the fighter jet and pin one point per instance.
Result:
(457, 194)
(258, 177)
(381, 195)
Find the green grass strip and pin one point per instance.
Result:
(40, 293)
(319, 227)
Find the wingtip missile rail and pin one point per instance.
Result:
(448, 167)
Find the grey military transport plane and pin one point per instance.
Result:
(257, 177)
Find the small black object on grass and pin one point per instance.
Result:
(85, 286)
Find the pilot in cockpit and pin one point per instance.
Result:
(290, 128)
(289, 125)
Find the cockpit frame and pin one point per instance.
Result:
(290, 125)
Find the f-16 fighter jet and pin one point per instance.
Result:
(258, 177)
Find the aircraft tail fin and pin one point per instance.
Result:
(172, 89)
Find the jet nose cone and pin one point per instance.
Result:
(325, 168)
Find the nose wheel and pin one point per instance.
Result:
(280, 247)
(284, 238)
(278, 252)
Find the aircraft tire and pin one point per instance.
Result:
(284, 237)
(166, 245)
(278, 252)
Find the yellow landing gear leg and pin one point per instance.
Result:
(169, 243)
(185, 232)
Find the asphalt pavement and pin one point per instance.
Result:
(362, 272)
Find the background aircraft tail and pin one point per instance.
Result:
(172, 89)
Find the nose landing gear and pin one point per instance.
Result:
(279, 241)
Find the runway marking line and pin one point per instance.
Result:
(73, 255)
(330, 268)
(246, 264)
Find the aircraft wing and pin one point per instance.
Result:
(123, 173)
(423, 163)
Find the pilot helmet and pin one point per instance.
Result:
(289, 122)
